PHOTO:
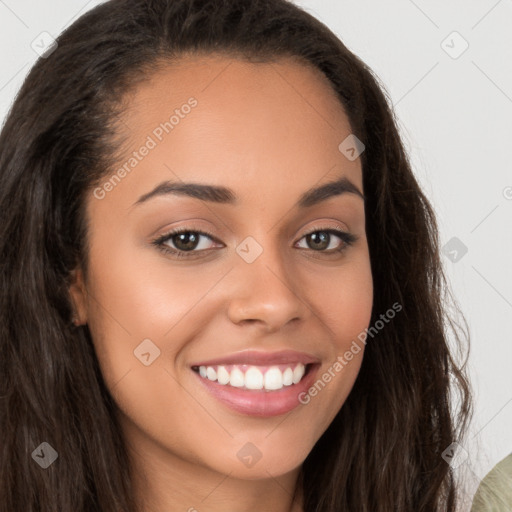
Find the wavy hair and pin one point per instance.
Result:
(383, 451)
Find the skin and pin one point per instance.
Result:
(269, 132)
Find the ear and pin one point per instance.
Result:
(78, 295)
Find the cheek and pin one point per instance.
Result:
(143, 297)
(345, 302)
(138, 296)
(123, 306)
(346, 311)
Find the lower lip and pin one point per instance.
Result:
(259, 402)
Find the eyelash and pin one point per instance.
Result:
(348, 240)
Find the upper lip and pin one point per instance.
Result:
(259, 358)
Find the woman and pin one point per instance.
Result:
(221, 285)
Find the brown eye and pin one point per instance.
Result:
(182, 241)
(185, 241)
(320, 239)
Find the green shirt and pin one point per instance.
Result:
(494, 494)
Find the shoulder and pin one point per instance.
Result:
(494, 494)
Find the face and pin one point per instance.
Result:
(255, 270)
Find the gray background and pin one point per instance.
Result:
(455, 115)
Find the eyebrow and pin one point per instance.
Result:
(223, 195)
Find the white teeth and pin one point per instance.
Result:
(288, 377)
(253, 378)
(222, 375)
(298, 373)
(273, 379)
(237, 378)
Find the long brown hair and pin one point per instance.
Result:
(383, 451)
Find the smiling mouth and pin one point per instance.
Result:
(253, 377)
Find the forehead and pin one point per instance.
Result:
(292, 80)
(277, 123)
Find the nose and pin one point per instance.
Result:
(266, 293)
